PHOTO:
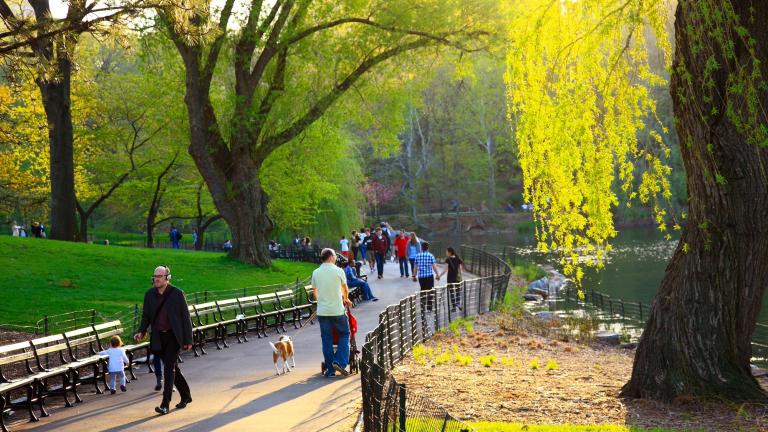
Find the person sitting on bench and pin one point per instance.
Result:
(354, 281)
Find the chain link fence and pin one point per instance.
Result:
(388, 405)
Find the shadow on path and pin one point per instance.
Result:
(267, 401)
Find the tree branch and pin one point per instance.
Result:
(441, 38)
(276, 86)
(213, 54)
(270, 47)
(322, 105)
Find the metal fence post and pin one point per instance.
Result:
(45, 325)
(445, 422)
(412, 319)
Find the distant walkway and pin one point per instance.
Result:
(236, 389)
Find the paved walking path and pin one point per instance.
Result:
(236, 389)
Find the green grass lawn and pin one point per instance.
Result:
(46, 277)
(519, 427)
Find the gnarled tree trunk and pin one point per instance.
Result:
(697, 339)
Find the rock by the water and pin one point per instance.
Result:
(608, 337)
(532, 297)
(630, 345)
(546, 315)
(539, 292)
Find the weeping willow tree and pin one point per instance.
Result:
(581, 104)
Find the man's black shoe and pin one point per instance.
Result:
(161, 410)
(183, 403)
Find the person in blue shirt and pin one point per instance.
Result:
(414, 247)
(354, 281)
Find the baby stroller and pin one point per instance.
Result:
(354, 354)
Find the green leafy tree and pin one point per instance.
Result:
(292, 61)
(579, 99)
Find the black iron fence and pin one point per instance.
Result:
(387, 404)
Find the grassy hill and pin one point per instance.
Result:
(46, 277)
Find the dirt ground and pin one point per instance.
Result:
(10, 336)
(574, 383)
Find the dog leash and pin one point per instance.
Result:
(303, 325)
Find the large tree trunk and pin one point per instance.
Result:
(697, 339)
(249, 223)
(57, 103)
(233, 180)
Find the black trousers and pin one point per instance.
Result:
(170, 350)
(427, 300)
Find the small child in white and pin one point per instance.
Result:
(117, 362)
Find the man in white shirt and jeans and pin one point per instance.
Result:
(329, 285)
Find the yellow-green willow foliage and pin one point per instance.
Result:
(579, 83)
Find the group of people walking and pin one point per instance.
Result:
(415, 260)
(375, 246)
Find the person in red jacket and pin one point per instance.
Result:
(380, 248)
(401, 250)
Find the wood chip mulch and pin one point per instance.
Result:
(582, 389)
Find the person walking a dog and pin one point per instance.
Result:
(167, 315)
(329, 286)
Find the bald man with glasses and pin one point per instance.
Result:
(167, 316)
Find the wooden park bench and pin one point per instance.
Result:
(230, 314)
(15, 359)
(202, 314)
(42, 360)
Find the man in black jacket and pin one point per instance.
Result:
(166, 313)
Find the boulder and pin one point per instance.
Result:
(546, 315)
(542, 283)
(532, 297)
(607, 337)
(543, 293)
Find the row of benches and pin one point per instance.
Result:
(76, 361)
(54, 366)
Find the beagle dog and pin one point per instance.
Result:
(283, 348)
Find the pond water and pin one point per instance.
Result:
(633, 271)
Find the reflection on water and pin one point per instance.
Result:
(633, 270)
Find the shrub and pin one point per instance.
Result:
(512, 303)
(469, 327)
(488, 360)
(507, 361)
(552, 365)
(454, 327)
(443, 358)
(420, 354)
(463, 360)
(529, 271)
(534, 364)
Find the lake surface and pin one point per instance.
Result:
(633, 272)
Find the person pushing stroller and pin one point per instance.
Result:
(329, 286)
